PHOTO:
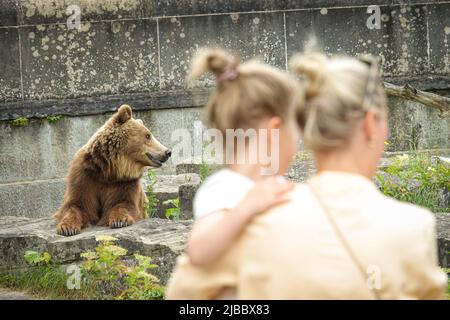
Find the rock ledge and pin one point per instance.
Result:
(161, 239)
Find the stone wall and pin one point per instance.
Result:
(138, 51)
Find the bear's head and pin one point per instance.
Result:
(139, 145)
(123, 147)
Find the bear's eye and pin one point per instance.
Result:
(148, 136)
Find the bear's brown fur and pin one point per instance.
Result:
(103, 183)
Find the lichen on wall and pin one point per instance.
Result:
(90, 61)
(57, 8)
(447, 49)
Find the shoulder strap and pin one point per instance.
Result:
(345, 243)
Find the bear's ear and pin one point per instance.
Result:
(123, 114)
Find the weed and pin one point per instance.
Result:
(419, 180)
(53, 119)
(205, 171)
(174, 212)
(152, 201)
(20, 122)
(106, 273)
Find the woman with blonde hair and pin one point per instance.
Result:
(339, 237)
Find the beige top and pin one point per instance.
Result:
(293, 252)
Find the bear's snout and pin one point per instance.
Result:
(160, 159)
(167, 155)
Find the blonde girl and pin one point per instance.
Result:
(248, 96)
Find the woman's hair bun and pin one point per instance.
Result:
(311, 66)
(216, 61)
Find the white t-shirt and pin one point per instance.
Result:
(222, 190)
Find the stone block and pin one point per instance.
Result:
(439, 32)
(413, 126)
(181, 37)
(190, 7)
(401, 42)
(170, 187)
(186, 194)
(55, 11)
(10, 85)
(9, 13)
(32, 199)
(43, 150)
(102, 58)
(443, 235)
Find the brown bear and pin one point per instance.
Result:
(103, 183)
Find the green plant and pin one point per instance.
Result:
(140, 283)
(105, 269)
(447, 294)
(418, 180)
(205, 171)
(175, 211)
(20, 122)
(41, 278)
(106, 273)
(35, 258)
(152, 201)
(53, 119)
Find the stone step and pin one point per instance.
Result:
(168, 187)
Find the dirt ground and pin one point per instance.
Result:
(6, 294)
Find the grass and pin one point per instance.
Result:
(42, 282)
(106, 273)
(418, 180)
(447, 294)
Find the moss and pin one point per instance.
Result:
(53, 119)
(20, 122)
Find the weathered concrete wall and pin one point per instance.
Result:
(413, 126)
(137, 52)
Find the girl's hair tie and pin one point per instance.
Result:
(229, 74)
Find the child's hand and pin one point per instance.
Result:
(266, 194)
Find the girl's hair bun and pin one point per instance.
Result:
(312, 67)
(216, 61)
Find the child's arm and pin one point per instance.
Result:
(214, 233)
